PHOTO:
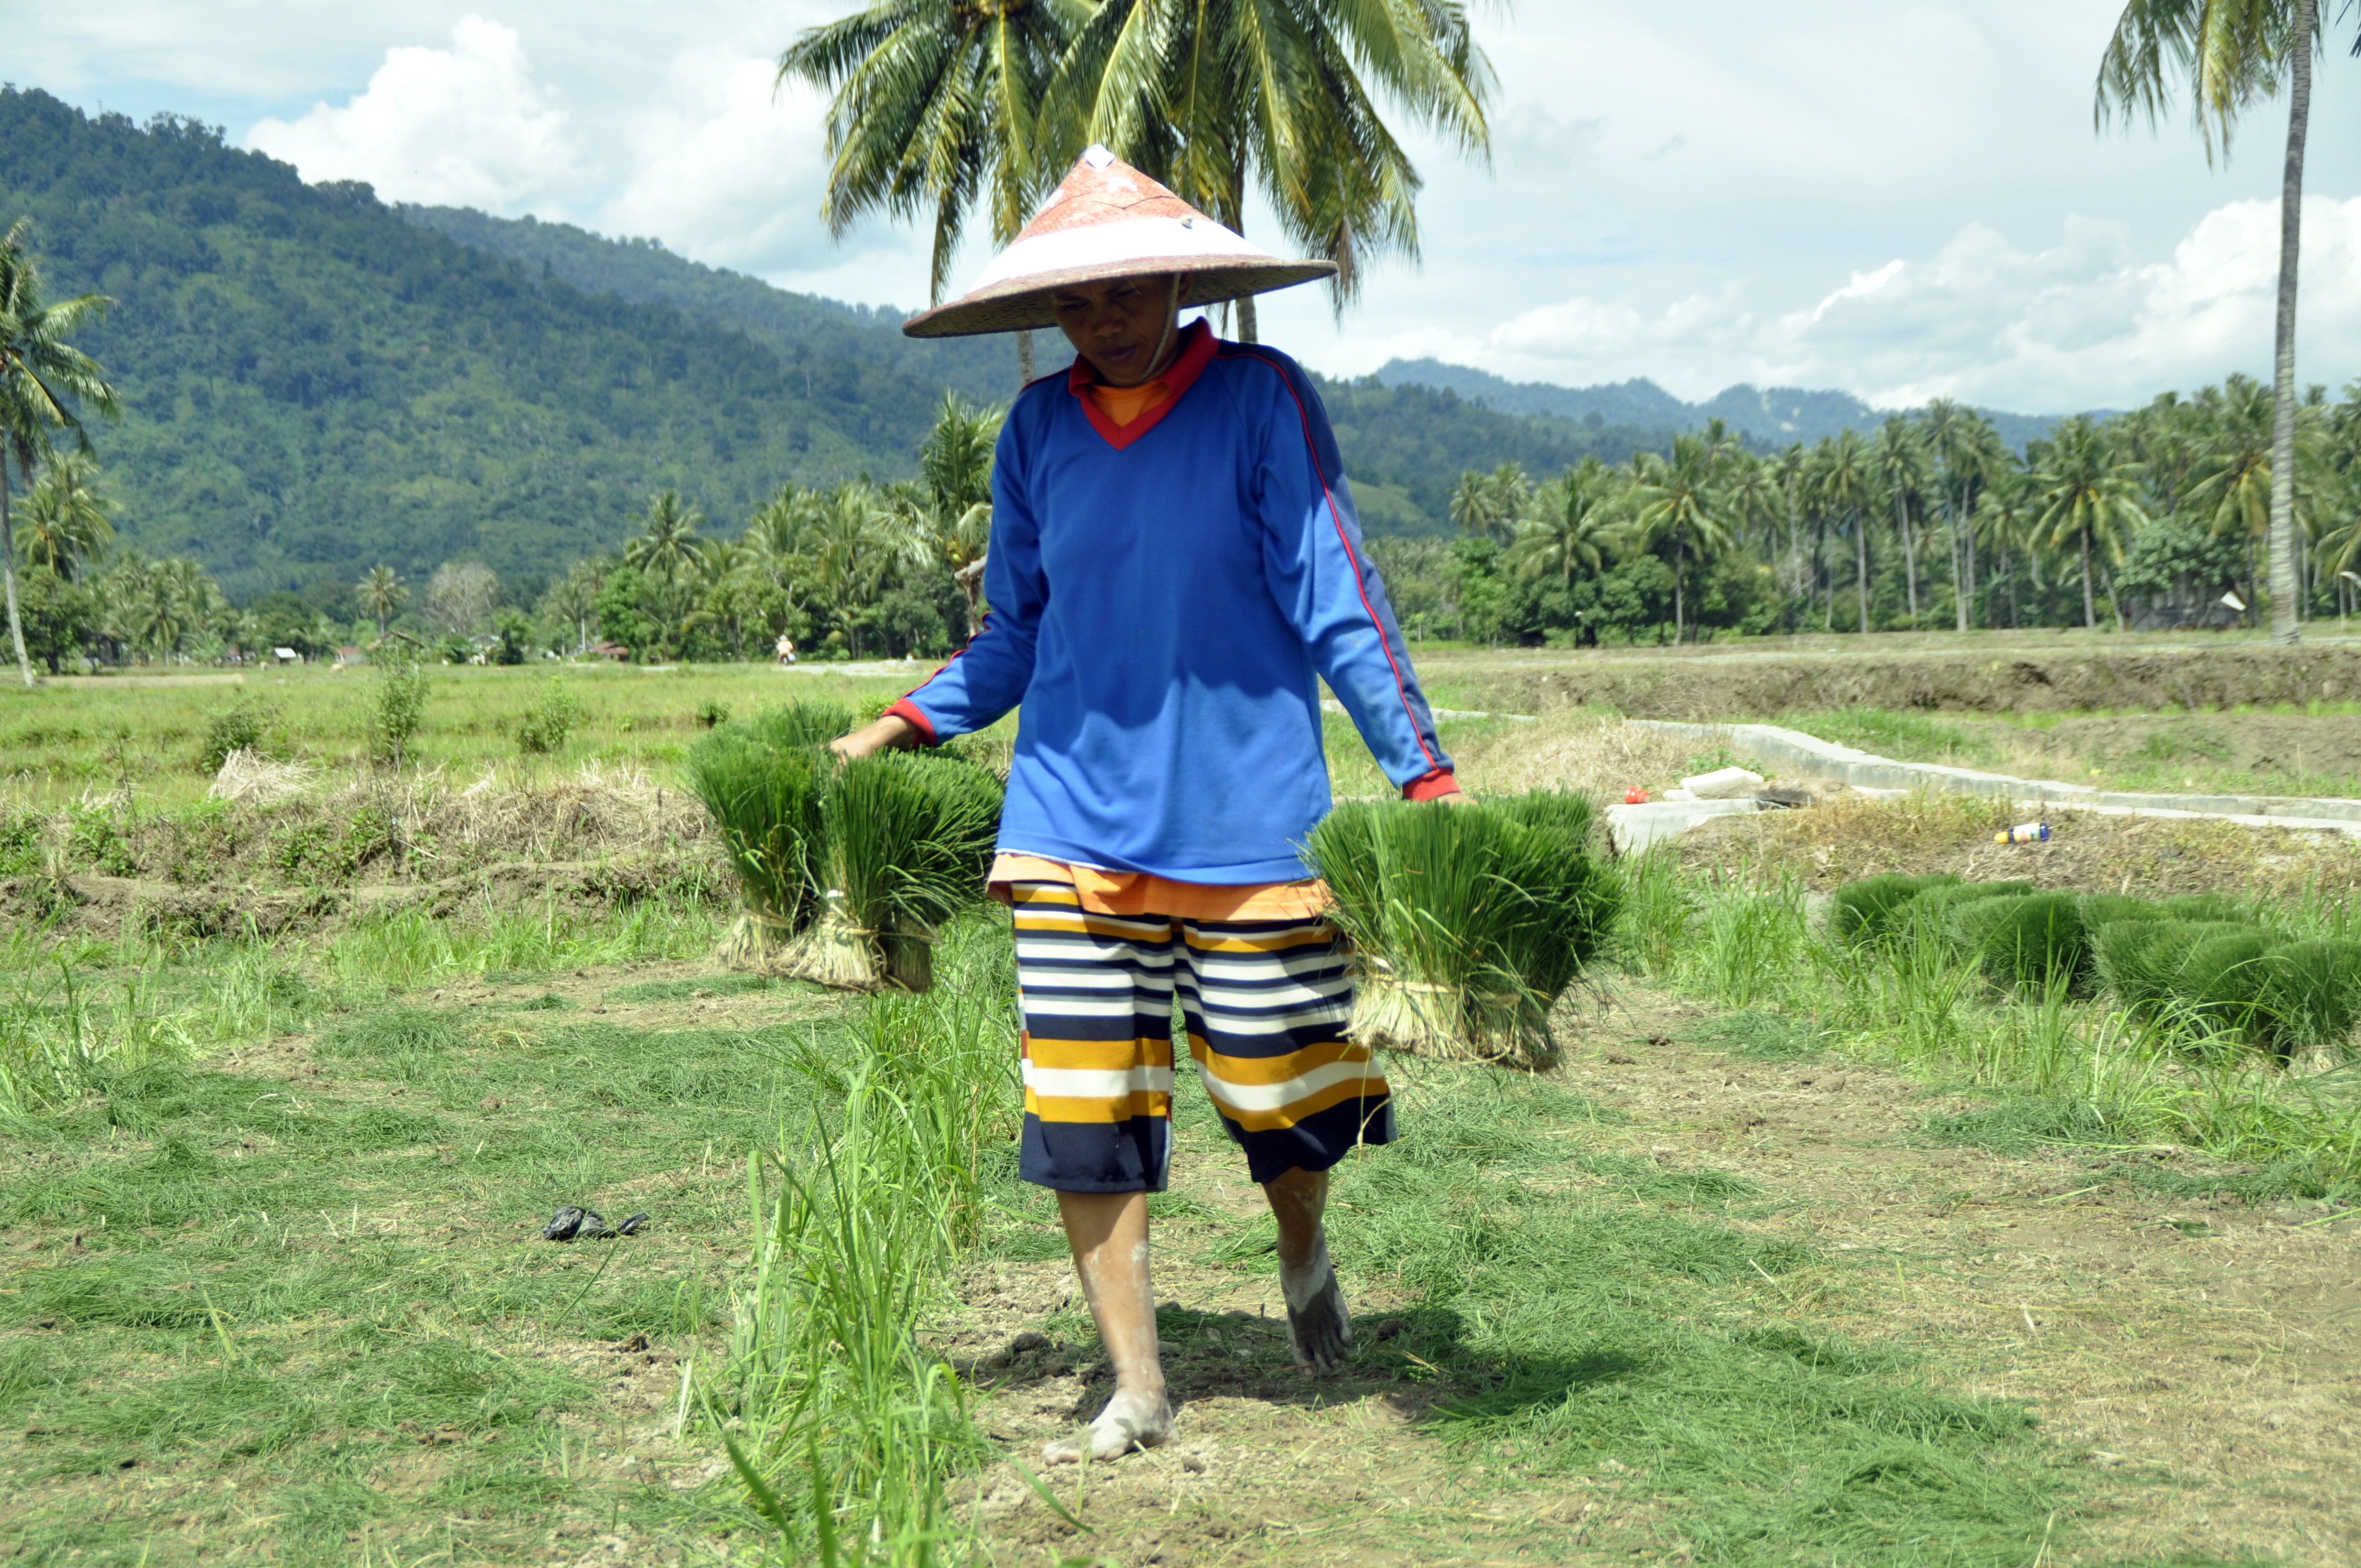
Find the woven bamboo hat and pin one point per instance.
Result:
(1108, 219)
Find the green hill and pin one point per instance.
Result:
(316, 382)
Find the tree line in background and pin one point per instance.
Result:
(2151, 519)
(853, 571)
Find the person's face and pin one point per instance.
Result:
(1118, 325)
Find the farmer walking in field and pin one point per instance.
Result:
(1174, 568)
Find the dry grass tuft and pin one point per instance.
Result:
(1595, 753)
(250, 778)
(1851, 837)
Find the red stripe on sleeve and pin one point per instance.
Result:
(1401, 689)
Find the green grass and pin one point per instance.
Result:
(152, 734)
(317, 1285)
(2060, 1067)
(228, 1266)
(1905, 736)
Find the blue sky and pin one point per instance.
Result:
(1899, 199)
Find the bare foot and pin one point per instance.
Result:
(1131, 1419)
(1318, 1328)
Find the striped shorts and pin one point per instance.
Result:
(1265, 1002)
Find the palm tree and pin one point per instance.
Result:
(2235, 54)
(956, 465)
(1571, 522)
(2086, 493)
(938, 104)
(1844, 484)
(1680, 498)
(1969, 452)
(44, 382)
(667, 539)
(1487, 506)
(1901, 470)
(1215, 97)
(65, 521)
(381, 596)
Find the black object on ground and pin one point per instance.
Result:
(1780, 797)
(572, 1224)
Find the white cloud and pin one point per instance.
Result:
(730, 172)
(462, 127)
(2081, 323)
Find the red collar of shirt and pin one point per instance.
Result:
(1197, 346)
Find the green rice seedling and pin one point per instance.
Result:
(2029, 942)
(2104, 908)
(907, 838)
(1660, 916)
(1925, 918)
(1753, 945)
(2138, 960)
(1859, 912)
(2312, 992)
(761, 782)
(2197, 907)
(856, 1229)
(2225, 981)
(1467, 921)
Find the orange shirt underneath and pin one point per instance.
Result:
(1138, 893)
(1125, 404)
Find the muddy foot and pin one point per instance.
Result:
(1130, 1421)
(1318, 1328)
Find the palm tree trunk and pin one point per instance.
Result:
(1247, 332)
(8, 539)
(2284, 586)
(1909, 555)
(1680, 542)
(1967, 604)
(2090, 609)
(1861, 567)
(1025, 358)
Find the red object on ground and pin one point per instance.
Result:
(1635, 796)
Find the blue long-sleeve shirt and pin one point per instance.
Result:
(1166, 596)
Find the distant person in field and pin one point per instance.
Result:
(1174, 568)
(786, 649)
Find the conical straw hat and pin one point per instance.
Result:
(1108, 219)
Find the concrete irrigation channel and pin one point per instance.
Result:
(1806, 758)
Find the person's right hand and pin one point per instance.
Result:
(888, 733)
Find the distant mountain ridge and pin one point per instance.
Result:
(797, 327)
(1771, 416)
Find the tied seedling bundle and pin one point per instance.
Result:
(1467, 921)
(906, 840)
(847, 869)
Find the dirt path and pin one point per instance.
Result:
(2197, 1365)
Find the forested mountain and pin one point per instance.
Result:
(1770, 416)
(316, 382)
(796, 327)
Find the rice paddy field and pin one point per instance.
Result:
(1804, 1250)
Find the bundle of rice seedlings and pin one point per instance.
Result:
(761, 782)
(2202, 906)
(2029, 942)
(2312, 992)
(906, 842)
(1928, 917)
(2226, 981)
(2140, 960)
(1467, 922)
(1859, 913)
(2105, 908)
